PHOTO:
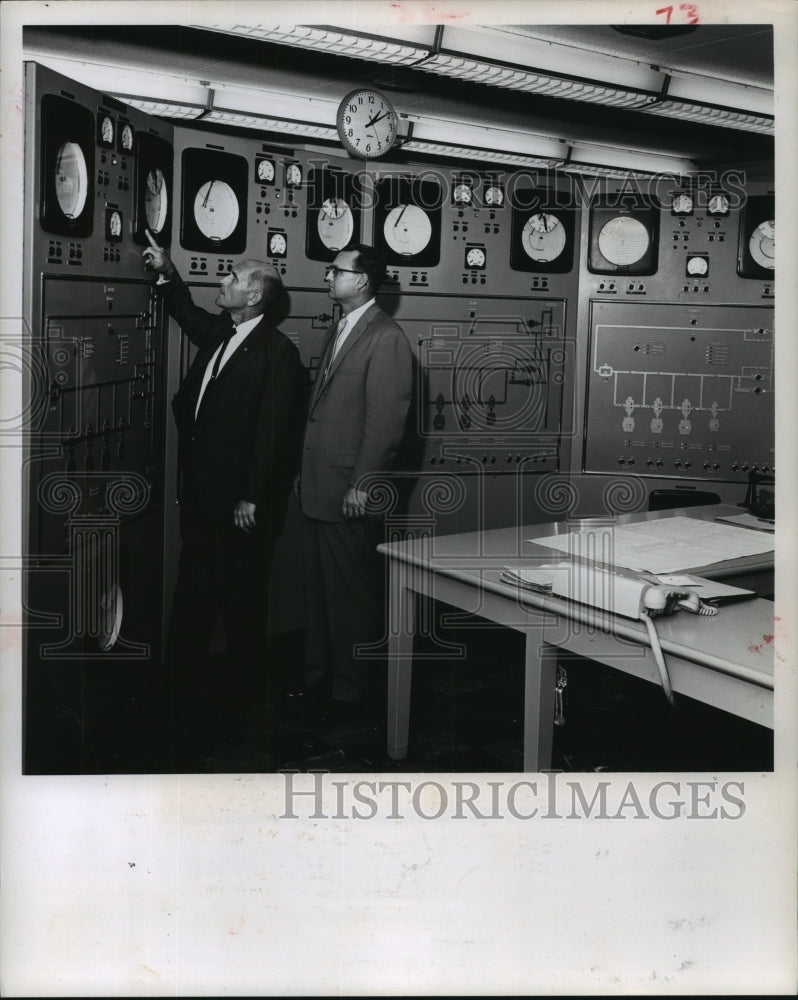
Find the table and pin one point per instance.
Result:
(725, 661)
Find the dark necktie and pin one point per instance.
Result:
(217, 361)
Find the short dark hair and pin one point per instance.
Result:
(371, 263)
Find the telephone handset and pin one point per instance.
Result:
(663, 601)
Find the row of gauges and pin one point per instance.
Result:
(68, 163)
(214, 188)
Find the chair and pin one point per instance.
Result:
(666, 499)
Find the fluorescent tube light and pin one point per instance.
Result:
(749, 114)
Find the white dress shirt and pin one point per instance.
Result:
(349, 321)
(242, 331)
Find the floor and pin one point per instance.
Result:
(465, 717)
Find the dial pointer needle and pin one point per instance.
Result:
(404, 209)
(207, 196)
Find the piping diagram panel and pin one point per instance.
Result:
(680, 392)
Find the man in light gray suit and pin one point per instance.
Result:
(359, 412)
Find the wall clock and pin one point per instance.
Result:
(367, 124)
(67, 167)
(152, 188)
(213, 215)
(623, 240)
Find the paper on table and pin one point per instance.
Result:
(664, 545)
(749, 521)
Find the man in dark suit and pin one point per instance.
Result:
(239, 419)
(358, 415)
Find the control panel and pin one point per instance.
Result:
(680, 391)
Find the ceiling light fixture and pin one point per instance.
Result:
(433, 58)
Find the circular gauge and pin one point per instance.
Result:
(71, 180)
(216, 210)
(367, 124)
(407, 229)
(682, 205)
(293, 175)
(623, 240)
(762, 244)
(543, 237)
(106, 130)
(335, 224)
(697, 266)
(718, 205)
(115, 224)
(475, 257)
(127, 138)
(461, 194)
(277, 245)
(156, 201)
(494, 196)
(265, 171)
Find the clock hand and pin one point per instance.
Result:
(377, 118)
(404, 209)
(207, 196)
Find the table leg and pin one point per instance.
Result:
(539, 680)
(402, 627)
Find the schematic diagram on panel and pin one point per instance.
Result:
(687, 396)
(651, 393)
(493, 389)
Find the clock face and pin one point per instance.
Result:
(71, 180)
(264, 171)
(156, 200)
(277, 244)
(335, 224)
(407, 229)
(543, 237)
(216, 210)
(623, 240)
(762, 244)
(126, 138)
(367, 124)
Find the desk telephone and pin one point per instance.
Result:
(624, 595)
(630, 597)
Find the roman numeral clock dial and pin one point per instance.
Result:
(367, 124)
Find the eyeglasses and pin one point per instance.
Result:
(335, 271)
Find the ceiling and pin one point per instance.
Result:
(737, 58)
(742, 53)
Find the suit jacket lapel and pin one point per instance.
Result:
(240, 353)
(352, 338)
